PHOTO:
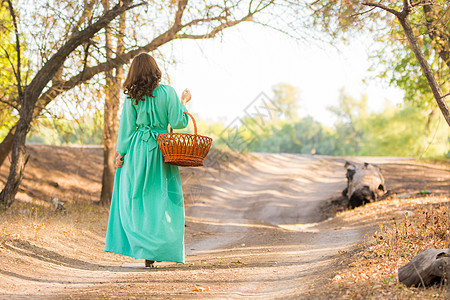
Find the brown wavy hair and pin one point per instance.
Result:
(142, 78)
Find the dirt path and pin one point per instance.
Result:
(264, 220)
(253, 230)
(269, 219)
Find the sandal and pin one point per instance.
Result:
(149, 263)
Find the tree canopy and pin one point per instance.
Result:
(415, 36)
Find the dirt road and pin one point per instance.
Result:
(254, 229)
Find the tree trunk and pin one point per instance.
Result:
(435, 88)
(6, 145)
(112, 101)
(19, 157)
(108, 124)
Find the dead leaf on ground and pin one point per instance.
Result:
(200, 289)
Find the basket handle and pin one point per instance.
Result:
(193, 122)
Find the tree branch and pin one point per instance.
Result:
(179, 14)
(215, 30)
(9, 103)
(203, 20)
(8, 57)
(421, 3)
(363, 12)
(402, 17)
(433, 33)
(383, 7)
(87, 13)
(259, 7)
(407, 7)
(59, 87)
(46, 73)
(426, 69)
(16, 32)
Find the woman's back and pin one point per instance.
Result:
(160, 110)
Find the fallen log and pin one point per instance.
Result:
(365, 184)
(427, 268)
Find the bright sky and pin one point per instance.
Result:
(225, 75)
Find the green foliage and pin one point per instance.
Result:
(400, 66)
(302, 136)
(87, 131)
(406, 130)
(7, 119)
(392, 58)
(350, 114)
(403, 131)
(8, 85)
(287, 98)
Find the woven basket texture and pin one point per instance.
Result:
(184, 149)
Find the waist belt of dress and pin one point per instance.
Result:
(150, 135)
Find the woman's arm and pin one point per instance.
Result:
(127, 127)
(178, 119)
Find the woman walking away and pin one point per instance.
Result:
(146, 219)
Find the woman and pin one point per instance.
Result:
(146, 219)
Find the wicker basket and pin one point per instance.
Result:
(184, 149)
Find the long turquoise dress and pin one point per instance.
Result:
(146, 218)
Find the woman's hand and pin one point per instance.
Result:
(119, 160)
(185, 97)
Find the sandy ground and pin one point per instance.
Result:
(255, 228)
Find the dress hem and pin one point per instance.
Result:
(139, 257)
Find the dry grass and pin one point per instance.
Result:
(78, 231)
(407, 227)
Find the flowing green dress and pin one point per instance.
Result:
(146, 218)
